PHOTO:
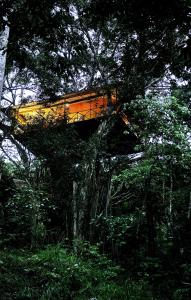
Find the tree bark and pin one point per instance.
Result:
(92, 188)
(150, 217)
(4, 36)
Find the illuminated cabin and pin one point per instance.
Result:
(85, 110)
(73, 108)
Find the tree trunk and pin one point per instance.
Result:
(151, 227)
(91, 196)
(91, 189)
(151, 222)
(82, 186)
(4, 36)
(62, 192)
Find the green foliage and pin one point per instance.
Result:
(161, 123)
(26, 215)
(26, 209)
(159, 185)
(54, 273)
(131, 44)
(150, 31)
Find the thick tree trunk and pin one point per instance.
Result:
(4, 36)
(62, 192)
(92, 188)
(78, 195)
(82, 182)
(91, 196)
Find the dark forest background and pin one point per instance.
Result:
(101, 212)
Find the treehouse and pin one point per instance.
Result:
(71, 108)
(84, 110)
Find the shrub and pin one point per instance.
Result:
(54, 273)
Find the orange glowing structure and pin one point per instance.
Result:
(74, 107)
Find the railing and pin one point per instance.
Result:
(84, 115)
